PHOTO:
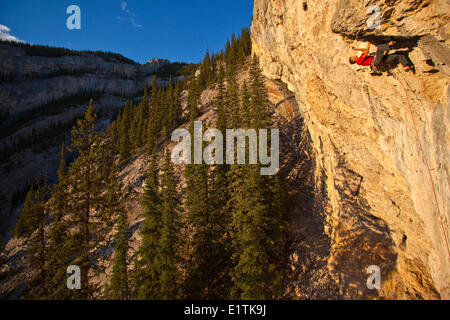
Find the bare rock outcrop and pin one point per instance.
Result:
(40, 79)
(381, 143)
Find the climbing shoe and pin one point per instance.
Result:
(410, 68)
(391, 45)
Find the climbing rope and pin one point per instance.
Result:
(425, 160)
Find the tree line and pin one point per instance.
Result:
(55, 52)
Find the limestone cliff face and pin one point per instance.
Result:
(39, 79)
(380, 202)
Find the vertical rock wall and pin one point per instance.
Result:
(372, 142)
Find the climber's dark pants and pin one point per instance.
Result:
(383, 59)
(392, 59)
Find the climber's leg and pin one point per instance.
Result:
(407, 63)
(382, 50)
(401, 58)
(393, 59)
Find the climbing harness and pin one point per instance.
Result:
(425, 160)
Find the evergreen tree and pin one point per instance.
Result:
(193, 97)
(200, 218)
(245, 109)
(152, 127)
(232, 101)
(219, 197)
(220, 101)
(259, 97)
(246, 41)
(109, 149)
(169, 259)
(28, 217)
(144, 123)
(147, 277)
(169, 106)
(118, 288)
(125, 139)
(139, 123)
(37, 285)
(86, 185)
(219, 172)
(257, 211)
(58, 251)
(178, 109)
(254, 277)
(205, 77)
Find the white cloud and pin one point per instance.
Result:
(4, 34)
(129, 15)
(134, 24)
(4, 28)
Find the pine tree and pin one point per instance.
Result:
(219, 197)
(153, 110)
(169, 259)
(193, 97)
(232, 101)
(139, 123)
(219, 172)
(246, 41)
(28, 218)
(257, 210)
(147, 277)
(178, 109)
(109, 149)
(37, 285)
(228, 53)
(58, 251)
(125, 139)
(145, 116)
(245, 108)
(168, 105)
(205, 77)
(220, 101)
(253, 275)
(118, 288)
(199, 217)
(86, 185)
(259, 97)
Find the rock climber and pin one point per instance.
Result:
(382, 59)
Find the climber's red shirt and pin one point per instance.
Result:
(364, 60)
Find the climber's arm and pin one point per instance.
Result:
(364, 51)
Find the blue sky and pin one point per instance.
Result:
(179, 30)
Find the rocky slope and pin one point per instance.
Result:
(380, 143)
